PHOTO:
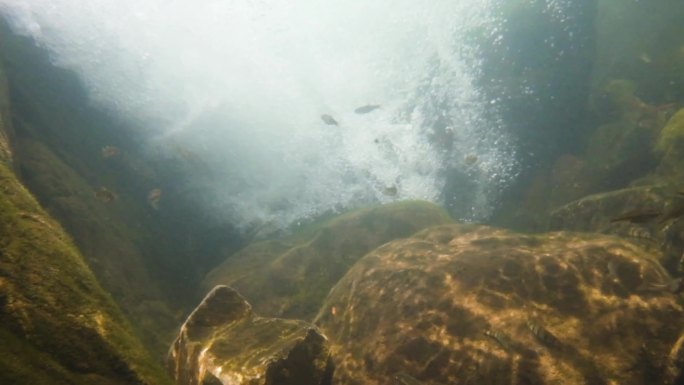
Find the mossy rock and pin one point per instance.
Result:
(617, 100)
(290, 277)
(650, 215)
(58, 324)
(672, 134)
(467, 304)
(617, 154)
(111, 248)
(5, 131)
(670, 144)
(56, 136)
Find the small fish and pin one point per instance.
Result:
(638, 216)
(406, 379)
(640, 233)
(390, 191)
(542, 335)
(675, 286)
(500, 338)
(645, 58)
(470, 159)
(366, 109)
(153, 198)
(329, 120)
(105, 195)
(110, 152)
(665, 107)
(333, 311)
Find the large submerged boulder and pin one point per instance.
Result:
(290, 277)
(466, 304)
(224, 342)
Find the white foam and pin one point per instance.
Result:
(237, 87)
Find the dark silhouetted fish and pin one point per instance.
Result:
(329, 120)
(638, 216)
(367, 108)
(105, 195)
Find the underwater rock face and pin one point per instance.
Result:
(650, 216)
(5, 151)
(224, 342)
(56, 138)
(466, 304)
(290, 277)
(57, 324)
(670, 144)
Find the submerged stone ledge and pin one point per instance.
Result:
(224, 342)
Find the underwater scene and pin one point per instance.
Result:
(341, 192)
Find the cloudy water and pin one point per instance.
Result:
(236, 91)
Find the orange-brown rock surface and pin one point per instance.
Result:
(465, 304)
(224, 342)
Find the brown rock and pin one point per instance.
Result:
(223, 342)
(464, 304)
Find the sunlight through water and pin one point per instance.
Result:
(236, 89)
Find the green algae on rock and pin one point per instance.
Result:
(56, 139)
(650, 215)
(5, 151)
(670, 144)
(466, 304)
(290, 277)
(225, 342)
(672, 134)
(51, 302)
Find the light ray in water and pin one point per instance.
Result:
(243, 85)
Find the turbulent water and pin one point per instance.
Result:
(236, 89)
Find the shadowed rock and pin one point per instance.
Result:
(223, 342)
(651, 216)
(290, 277)
(57, 324)
(465, 304)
